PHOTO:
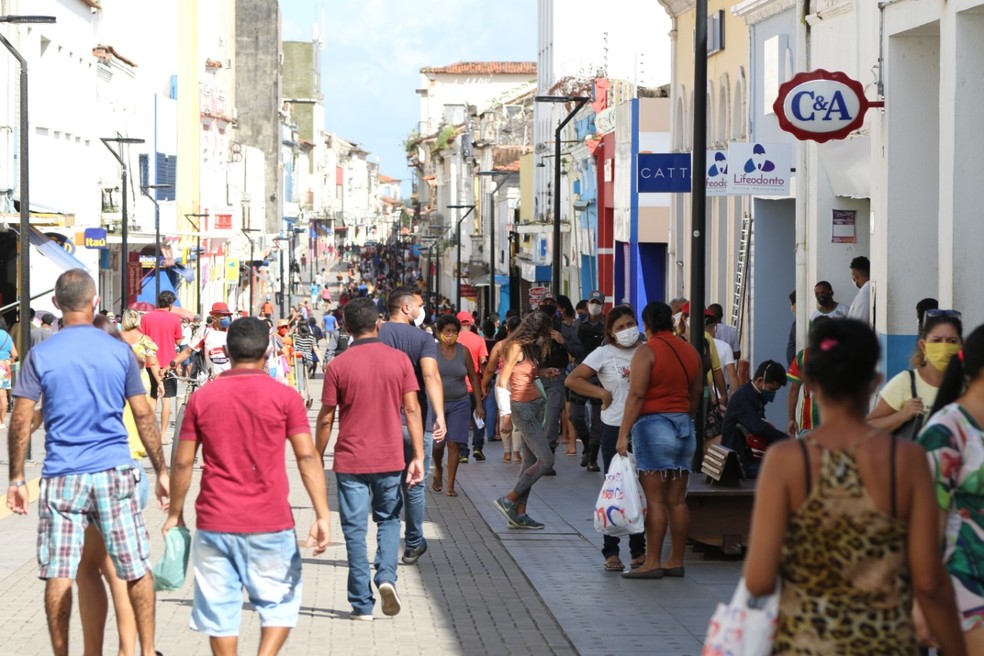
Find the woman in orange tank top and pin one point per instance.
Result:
(520, 401)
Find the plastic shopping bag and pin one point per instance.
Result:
(169, 572)
(621, 506)
(745, 627)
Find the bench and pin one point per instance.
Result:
(721, 504)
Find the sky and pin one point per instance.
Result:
(374, 50)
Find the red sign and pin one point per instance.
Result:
(469, 291)
(134, 276)
(821, 106)
(536, 294)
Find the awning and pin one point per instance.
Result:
(148, 289)
(51, 250)
(483, 281)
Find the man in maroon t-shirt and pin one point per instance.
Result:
(164, 329)
(245, 537)
(368, 384)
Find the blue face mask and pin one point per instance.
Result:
(768, 395)
(224, 323)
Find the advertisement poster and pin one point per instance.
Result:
(844, 227)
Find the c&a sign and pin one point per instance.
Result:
(821, 105)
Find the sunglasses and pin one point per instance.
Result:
(954, 314)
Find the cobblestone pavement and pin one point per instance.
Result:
(481, 588)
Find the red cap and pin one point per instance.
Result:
(465, 318)
(220, 308)
(685, 308)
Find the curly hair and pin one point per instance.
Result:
(534, 325)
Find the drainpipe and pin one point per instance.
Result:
(674, 268)
(803, 295)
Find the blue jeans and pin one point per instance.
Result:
(413, 497)
(538, 457)
(491, 412)
(554, 387)
(637, 541)
(356, 494)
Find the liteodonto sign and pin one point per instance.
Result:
(821, 105)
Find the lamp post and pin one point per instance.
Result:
(505, 176)
(25, 200)
(470, 208)
(198, 258)
(124, 249)
(579, 102)
(157, 234)
(246, 232)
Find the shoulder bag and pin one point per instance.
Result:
(910, 429)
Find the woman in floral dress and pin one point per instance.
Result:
(954, 441)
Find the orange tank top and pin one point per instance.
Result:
(675, 364)
(521, 383)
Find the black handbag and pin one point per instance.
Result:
(910, 429)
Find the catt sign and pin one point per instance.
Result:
(821, 106)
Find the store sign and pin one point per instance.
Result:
(536, 295)
(95, 238)
(469, 291)
(821, 105)
(663, 173)
(759, 169)
(716, 180)
(62, 241)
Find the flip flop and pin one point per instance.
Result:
(450, 493)
(636, 563)
(436, 486)
(614, 565)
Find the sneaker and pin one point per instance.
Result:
(508, 510)
(525, 521)
(391, 600)
(462, 460)
(593, 467)
(478, 455)
(361, 618)
(411, 556)
(585, 458)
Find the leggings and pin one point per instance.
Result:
(537, 455)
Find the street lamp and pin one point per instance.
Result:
(198, 258)
(505, 176)
(246, 232)
(579, 102)
(25, 201)
(124, 254)
(157, 234)
(470, 208)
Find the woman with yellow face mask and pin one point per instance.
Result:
(940, 340)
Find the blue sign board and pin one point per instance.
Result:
(415, 250)
(95, 238)
(663, 173)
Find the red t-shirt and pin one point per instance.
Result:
(476, 346)
(164, 328)
(243, 419)
(367, 383)
(676, 364)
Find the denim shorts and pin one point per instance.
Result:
(67, 504)
(267, 565)
(664, 441)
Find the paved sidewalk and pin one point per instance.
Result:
(480, 589)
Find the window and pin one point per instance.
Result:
(223, 222)
(165, 168)
(715, 32)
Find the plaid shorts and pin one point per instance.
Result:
(108, 498)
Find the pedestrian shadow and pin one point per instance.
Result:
(327, 613)
(324, 561)
(177, 602)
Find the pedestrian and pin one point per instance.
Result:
(163, 326)
(266, 310)
(521, 402)
(861, 275)
(245, 536)
(745, 430)
(509, 435)
(367, 385)
(665, 386)
(211, 341)
(791, 341)
(826, 305)
(845, 518)
(809, 416)
(454, 362)
(954, 441)
(561, 344)
(8, 355)
(480, 355)
(584, 411)
(940, 340)
(88, 475)
(402, 332)
(609, 365)
(305, 352)
(43, 331)
(921, 307)
(724, 332)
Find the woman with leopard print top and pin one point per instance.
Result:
(851, 539)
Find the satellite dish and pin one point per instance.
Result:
(541, 149)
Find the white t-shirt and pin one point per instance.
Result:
(860, 308)
(729, 336)
(612, 365)
(215, 358)
(725, 354)
(838, 312)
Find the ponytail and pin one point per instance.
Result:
(952, 386)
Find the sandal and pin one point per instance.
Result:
(436, 485)
(507, 458)
(614, 564)
(450, 493)
(636, 563)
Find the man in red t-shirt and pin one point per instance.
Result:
(245, 537)
(368, 384)
(480, 355)
(164, 329)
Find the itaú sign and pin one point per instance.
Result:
(821, 105)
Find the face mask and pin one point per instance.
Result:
(628, 337)
(825, 299)
(548, 310)
(768, 395)
(938, 354)
(594, 309)
(419, 319)
(224, 323)
(449, 339)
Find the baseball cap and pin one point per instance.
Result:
(596, 297)
(283, 323)
(465, 318)
(547, 297)
(220, 308)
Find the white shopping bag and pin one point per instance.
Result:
(745, 627)
(621, 506)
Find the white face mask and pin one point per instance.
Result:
(419, 319)
(594, 309)
(628, 337)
